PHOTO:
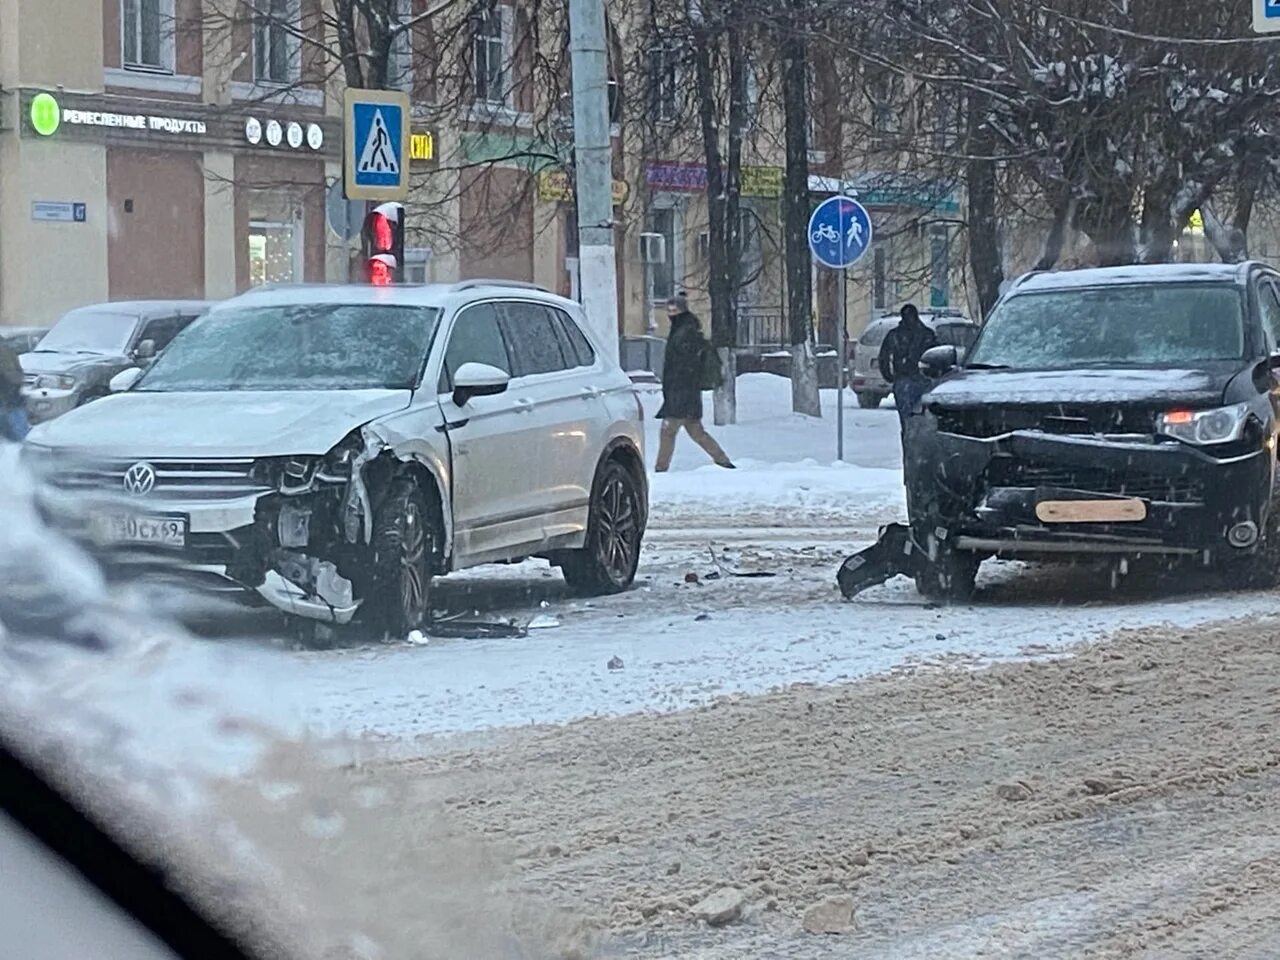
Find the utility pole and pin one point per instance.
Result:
(593, 154)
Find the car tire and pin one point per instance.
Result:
(406, 533)
(615, 529)
(868, 400)
(949, 579)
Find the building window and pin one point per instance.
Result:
(400, 61)
(939, 266)
(662, 79)
(663, 221)
(275, 252)
(752, 104)
(881, 294)
(883, 91)
(146, 33)
(751, 255)
(276, 44)
(492, 47)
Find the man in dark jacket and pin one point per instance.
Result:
(13, 413)
(900, 355)
(684, 369)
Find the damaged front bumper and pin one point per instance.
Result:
(988, 495)
(290, 536)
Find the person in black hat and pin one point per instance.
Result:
(684, 375)
(900, 357)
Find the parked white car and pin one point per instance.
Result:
(865, 379)
(335, 448)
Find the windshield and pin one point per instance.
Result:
(1139, 324)
(90, 330)
(298, 347)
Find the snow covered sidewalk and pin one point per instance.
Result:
(787, 473)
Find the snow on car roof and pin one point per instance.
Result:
(1140, 273)
(417, 295)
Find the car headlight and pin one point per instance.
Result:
(55, 381)
(1202, 427)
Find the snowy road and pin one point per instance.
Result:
(680, 643)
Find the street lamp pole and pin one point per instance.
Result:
(593, 168)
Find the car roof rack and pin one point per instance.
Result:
(483, 282)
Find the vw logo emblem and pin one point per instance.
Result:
(140, 479)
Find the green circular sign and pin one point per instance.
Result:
(45, 114)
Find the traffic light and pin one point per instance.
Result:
(382, 243)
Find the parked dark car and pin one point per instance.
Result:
(74, 362)
(1122, 412)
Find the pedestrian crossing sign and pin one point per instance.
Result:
(376, 145)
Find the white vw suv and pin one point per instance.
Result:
(334, 448)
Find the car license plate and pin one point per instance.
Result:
(121, 528)
(1091, 511)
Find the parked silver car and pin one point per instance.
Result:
(74, 362)
(332, 449)
(865, 379)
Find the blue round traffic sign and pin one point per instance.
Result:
(839, 232)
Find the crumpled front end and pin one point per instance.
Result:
(1034, 483)
(292, 530)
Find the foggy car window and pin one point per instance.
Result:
(311, 347)
(90, 331)
(1135, 324)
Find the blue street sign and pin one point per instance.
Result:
(1271, 9)
(376, 147)
(839, 232)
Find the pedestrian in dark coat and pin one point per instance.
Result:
(684, 371)
(900, 355)
(13, 413)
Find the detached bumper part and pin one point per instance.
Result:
(327, 596)
(895, 553)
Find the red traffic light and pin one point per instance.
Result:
(382, 232)
(382, 243)
(382, 270)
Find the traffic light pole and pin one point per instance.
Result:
(593, 164)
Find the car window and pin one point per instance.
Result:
(535, 345)
(573, 341)
(162, 330)
(1119, 324)
(874, 335)
(961, 335)
(1269, 306)
(476, 338)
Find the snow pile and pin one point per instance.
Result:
(785, 461)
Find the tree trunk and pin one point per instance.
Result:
(1227, 239)
(726, 339)
(1057, 235)
(805, 397)
(984, 237)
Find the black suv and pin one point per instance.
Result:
(1123, 412)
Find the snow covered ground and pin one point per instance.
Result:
(789, 512)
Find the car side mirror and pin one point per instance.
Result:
(478, 380)
(124, 380)
(146, 350)
(939, 360)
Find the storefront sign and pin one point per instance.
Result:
(763, 182)
(134, 121)
(422, 146)
(57, 211)
(554, 187)
(112, 118)
(692, 178)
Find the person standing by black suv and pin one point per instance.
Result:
(900, 355)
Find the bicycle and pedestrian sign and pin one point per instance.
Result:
(1266, 16)
(376, 142)
(839, 232)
